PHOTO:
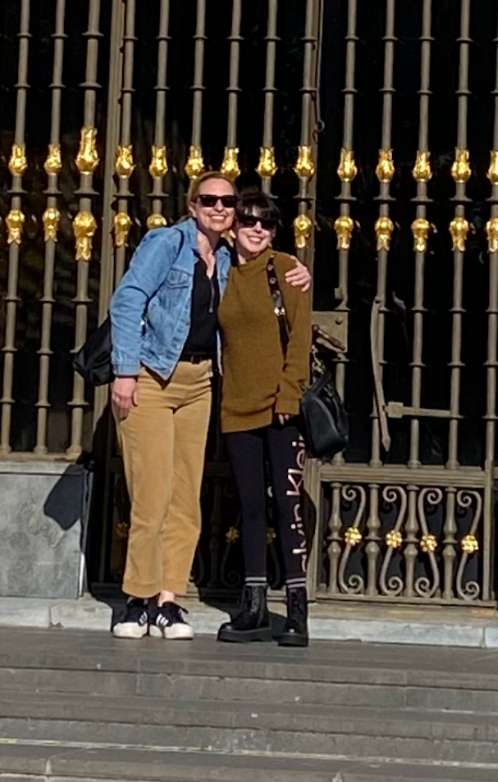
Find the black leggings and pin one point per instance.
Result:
(284, 447)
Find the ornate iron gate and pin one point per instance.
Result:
(404, 244)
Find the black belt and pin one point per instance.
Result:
(195, 359)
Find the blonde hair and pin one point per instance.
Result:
(193, 191)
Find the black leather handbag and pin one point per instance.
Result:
(93, 360)
(324, 421)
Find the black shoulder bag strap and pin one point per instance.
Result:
(278, 301)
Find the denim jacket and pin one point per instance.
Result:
(150, 309)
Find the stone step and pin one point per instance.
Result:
(62, 763)
(360, 732)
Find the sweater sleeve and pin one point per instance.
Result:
(296, 368)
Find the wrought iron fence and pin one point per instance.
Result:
(115, 107)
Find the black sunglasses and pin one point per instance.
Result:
(228, 201)
(250, 221)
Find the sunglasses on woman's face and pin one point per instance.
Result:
(250, 221)
(228, 201)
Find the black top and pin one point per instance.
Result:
(201, 339)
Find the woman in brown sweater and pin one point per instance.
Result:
(261, 392)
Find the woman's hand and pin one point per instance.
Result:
(123, 396)
(283, 418)
(299, 277)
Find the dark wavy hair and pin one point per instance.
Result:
(253, 201)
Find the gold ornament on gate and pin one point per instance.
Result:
(385, 167)
(159, 164)
(421, 171)
(459, 229)
(492, 232)
(87, 159)
(84, 226)
(124, 162)
(305, 167)
(470, 544)
(53, 163)
(267, 166)
(302, 226)
(394, 539)
(195, 163)
(156, 220)
(428, 543)
(347, 169)
(230, 166)
(122, 225)
(384, 228)
(232, 535)
(461, 170)
(50, 219)
(344, 227)
(353, 536)
(420, 231)
(492, 173)
(270, 536)
(15, 221)
(18, 162)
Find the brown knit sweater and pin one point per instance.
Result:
(257, 382)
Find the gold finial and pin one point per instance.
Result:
(53, 163)
(422, 169)
(50, 219)
(124, 162)
(493, 168)
(347, 169)
(492, 232)
(461, 170)
(394, 539)
(384, 228)
(302, 226)
(267, 166)
(122, 225)
(14, 221)
(230, 166)
(305, 166)
(344, 227)
(232, 535)
(385, 166)
(428, 543)
(87, 159)
(420, 231)
(459, 228)
(18, 163)
(353, 536)
(195, 163)
(470, 544)
(159, 164)
(84, 226)
(156, 221)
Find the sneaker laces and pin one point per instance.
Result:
(135, 609)
(172, 612)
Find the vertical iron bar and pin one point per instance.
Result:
(230, 165)
(267, 167)
(420, 228)
(459, 228)
(159, 165)
(492, 357)
(384, 228)
(84, 222)
(195, 163)
(124, 158)
(51, 218)
(344, 228)
(14, 221)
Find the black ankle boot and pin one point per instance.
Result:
(296, 627)
(253, 622)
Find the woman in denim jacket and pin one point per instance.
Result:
(164, 336)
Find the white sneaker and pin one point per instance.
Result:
(135, 622)
(168, 622)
